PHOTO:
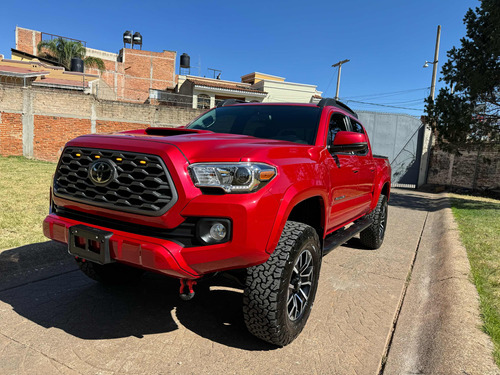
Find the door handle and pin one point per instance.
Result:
(355, 170)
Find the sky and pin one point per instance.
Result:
(386, 41)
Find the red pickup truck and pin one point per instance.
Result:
(261, 191)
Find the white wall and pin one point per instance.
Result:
(286, 91)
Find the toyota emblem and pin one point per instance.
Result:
(101, 172)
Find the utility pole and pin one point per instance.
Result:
(339, 64)
(427, 139)
(435, 63)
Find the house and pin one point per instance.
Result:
(144, 76)
(280, 91)
(128, 75)
(36, 73)
(205, 93)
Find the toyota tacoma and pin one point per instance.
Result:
(261, 191)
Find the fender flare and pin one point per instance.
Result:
(378, 190)
(294, 195)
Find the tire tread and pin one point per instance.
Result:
(264, 282)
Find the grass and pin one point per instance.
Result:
(24, 200)
(479, 223)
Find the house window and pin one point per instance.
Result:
(203, 101)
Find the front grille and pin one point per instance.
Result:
(140, 183)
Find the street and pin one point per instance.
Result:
(62, 322)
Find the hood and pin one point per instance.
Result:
(205, 146)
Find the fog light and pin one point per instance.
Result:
(213, 230)
(218, 232)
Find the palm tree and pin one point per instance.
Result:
(63, 50)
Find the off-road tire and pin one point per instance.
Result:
(373, 236)
(268, 286)
(113, 273)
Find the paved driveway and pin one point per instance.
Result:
(55, 320)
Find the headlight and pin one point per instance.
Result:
(232, 177)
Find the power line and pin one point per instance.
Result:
(412, 101)
(331, 80)
(384, 105)
(373, 96)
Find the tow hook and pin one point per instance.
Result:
(186, 291)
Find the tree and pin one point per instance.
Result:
(469, 114)
(63, 50)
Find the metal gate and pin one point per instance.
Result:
(400, 137)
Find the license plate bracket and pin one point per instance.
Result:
(89, 243)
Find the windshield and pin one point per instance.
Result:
(282, 122)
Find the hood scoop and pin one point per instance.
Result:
(168, 132)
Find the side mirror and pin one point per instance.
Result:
(349, 142)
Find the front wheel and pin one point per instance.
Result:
(373, 236)
(279, 294)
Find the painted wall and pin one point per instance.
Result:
(399, 137)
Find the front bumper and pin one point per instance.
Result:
(145, 252)
(252, 223)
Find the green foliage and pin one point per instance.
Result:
(63, 50)
(479, 224)
(24, 198)
(470, 116)
(94, 62)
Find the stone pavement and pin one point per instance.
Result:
(55, 320)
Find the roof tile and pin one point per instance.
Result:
(224, 85)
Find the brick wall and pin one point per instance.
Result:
(11, 134)
(47, 118)
(139, 72)
(129, 79)
(116, 126)
(477, 169)
(51, 133)
(27, 40)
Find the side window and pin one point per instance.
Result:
(338, 122)
(356, 127)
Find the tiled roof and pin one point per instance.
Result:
(44, 59)
(60, 82)
(18, 70)
(236, 86)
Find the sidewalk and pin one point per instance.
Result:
(438, 331)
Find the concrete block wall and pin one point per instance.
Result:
(476, 169)
(36, 122)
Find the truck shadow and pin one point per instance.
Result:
(31, 262)
(217, 315)
(85, 309)
(413, 200)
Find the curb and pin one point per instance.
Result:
(439, 328)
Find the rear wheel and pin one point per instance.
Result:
(113, 273)
(373, 236)
(279, 294)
